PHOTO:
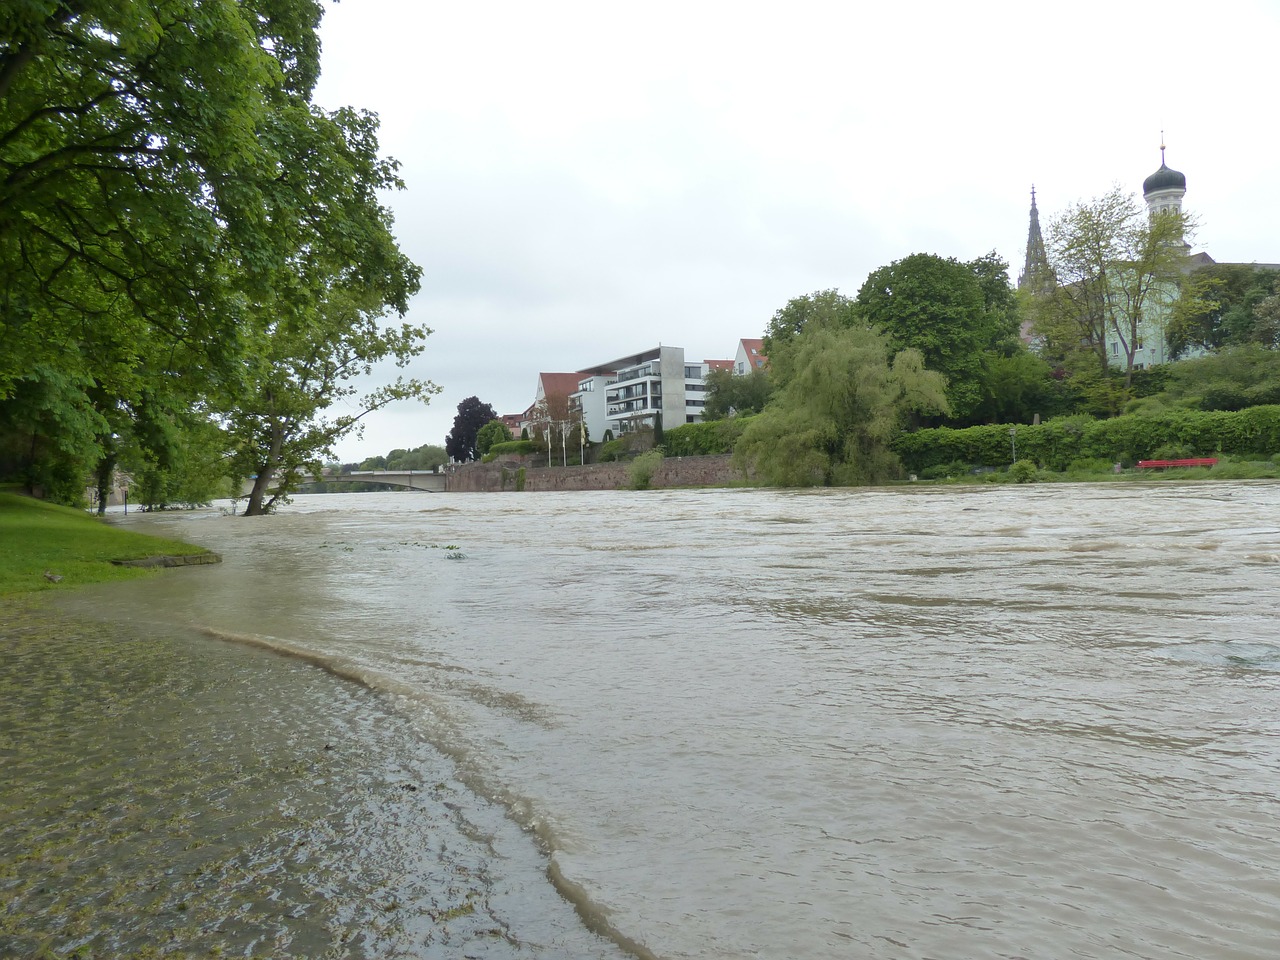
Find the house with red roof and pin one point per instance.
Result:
(750, 357)
(551, 401)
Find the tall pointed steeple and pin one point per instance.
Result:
(1035, 271)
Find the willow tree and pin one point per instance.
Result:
(829, 308)
(832, 421)
(1116, 271)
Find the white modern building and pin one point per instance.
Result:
(638, 387)
(589, 402)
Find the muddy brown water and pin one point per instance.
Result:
(982, 722)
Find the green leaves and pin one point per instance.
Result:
(952, 312)
(1116, 270)
(180, 228)
(832, 422)
(473, 414)
(495, 431)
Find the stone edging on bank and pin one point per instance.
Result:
(173, 560)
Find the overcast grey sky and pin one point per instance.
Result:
(586, 180)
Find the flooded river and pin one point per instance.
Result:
(1036, 721)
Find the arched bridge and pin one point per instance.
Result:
(408, 479)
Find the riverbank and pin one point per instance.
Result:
(720, 471)
(1025, 471)
(169, 793)
(49, 547)
(173, 796)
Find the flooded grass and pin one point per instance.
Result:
(47, 547)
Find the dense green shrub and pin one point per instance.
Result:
(1024, 471)
(704, 439)
(1056, 444)
(643, 468)
(490, 435)
(1171, 451)
(1094, 465)
(612, 450)
(945, 471)
(511, 448)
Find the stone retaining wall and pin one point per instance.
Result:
(503, 475)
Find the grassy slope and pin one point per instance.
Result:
(37, 536)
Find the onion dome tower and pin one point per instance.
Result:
(1164, 189)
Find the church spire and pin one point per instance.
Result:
(1035, 271)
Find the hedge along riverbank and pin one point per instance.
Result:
(707, 439)
(1056, 444)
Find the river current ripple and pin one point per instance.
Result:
(959, 722)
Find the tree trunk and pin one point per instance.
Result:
(266, 471)
(255, 506)
(106, 467)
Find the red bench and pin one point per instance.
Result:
(1189, 462)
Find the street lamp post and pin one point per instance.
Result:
(1013, 441)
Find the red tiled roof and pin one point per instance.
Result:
(754, 349)
(559, 384)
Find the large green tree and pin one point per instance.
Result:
(953, 312)
(822, 307)
(1116, 271)
(495, 431)
(831, 423)
(318, 327)
(734, 394)
(1218, 306)
(181, 228)
(473, 414)
(125, 130)
(129, 151)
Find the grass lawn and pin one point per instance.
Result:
(36, 537)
